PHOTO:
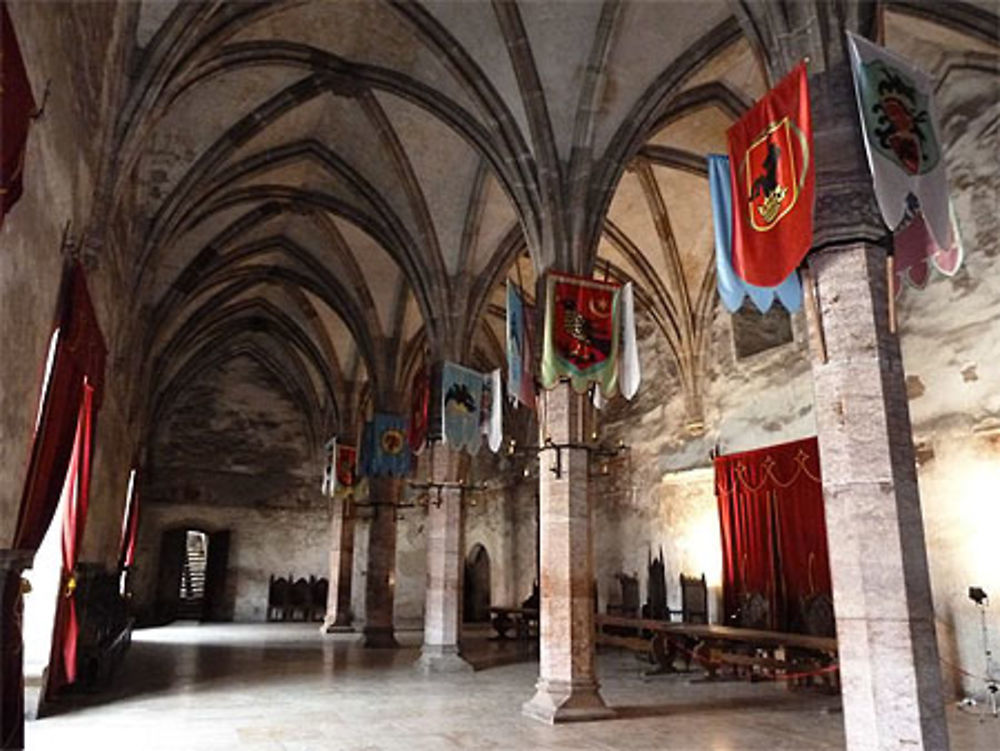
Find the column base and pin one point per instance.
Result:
(379, 638)
(442, 658)
(567, 701)
(336, 626)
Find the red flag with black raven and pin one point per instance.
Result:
(773, 178)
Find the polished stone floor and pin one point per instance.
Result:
(285, 687)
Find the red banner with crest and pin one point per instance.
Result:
(420, 398)
(347, 457)
(582, 332)
(773, 179)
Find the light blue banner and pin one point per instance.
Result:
(732, 289)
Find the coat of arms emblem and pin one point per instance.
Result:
(896, 114)
(774, 170)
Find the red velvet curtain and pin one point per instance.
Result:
(62, 663)
(16, 107)
(74, 386)
(773, 530)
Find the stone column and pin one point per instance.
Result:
(890, 674)
(443, 612)
(380, 581)
(891, 679)
(567, 688)
(338, 602)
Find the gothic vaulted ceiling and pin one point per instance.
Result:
(326, 189)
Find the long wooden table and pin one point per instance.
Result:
(713, 646)
(524, 621)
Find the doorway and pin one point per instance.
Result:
(476, 588)
(192, 583)
(192, 576)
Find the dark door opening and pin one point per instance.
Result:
(476, 588)
(192, 576)
(192, 580)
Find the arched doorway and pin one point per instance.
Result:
(476, 601)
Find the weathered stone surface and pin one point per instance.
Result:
(567, 688)
(380, 576)
(264, 542)
(443, 609)
(881, 586)
(234, 437)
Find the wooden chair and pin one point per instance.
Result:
(694, 599)
(755, 611)
(817, 615)
(629, 607)
(277, 599)
(320, 590)
(816, 618)
(299, 601)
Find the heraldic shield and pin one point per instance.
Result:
(774, 172)
(773, 183)
(897, 118)
(582, 332)
(346, 460)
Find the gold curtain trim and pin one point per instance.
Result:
(767, 465)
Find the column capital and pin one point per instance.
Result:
(846, 211)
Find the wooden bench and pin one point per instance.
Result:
(524, 621)
(713, 646)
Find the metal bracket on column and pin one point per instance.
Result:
(590, 448)
(439, 487)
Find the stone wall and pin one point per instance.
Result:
(235, 452)
(659, 495)
(950, 334)
(264, 542)
(79, 52)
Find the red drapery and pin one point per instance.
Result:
(62, 664)
(130, 523)
(74, 386)
(773, 530)
(16, 107)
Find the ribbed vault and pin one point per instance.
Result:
(332, 190)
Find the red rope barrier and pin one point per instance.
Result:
(783, 677)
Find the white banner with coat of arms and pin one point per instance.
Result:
(902, 137)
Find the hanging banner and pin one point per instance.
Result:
(773, 183)
(491, 410)
(420, 397)
(16, 107)
(384, 449)
(899, 122)
(520, 367)
(461, 401)
(915, 251)
(329, 472)
(347, 458)
(732, 289)
(630, 373)
(582, 331)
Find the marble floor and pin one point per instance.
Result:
(285, 687)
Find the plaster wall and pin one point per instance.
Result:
(950, 334)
